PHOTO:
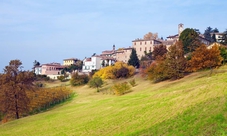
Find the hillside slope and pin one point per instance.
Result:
(194, 105)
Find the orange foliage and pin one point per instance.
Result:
(203, 58)
(45, 97)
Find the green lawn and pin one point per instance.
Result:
(194, 105)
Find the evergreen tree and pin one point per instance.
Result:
(190, 40)
(134, 61)
(207, 34)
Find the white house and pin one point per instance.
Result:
(93, 63)
(38, 70)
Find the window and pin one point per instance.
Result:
(145, 48)
(150, 42)
(145, 43)
(140, 48)
(134, 43)
(140, 43)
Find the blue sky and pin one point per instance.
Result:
(53, 30)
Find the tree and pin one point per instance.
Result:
(96, 82)
(150, 36)
(159, 50)
(36, 63)
(134, 61)
(207, 34)
(204, 58)
(77, 79)
(215, 30)
(190, 40)
(175, 61)
(14, 83)
(158, 70)
(223, 53)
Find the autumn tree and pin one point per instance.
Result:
(170, 66)
(96, 82)
(134, 61)
(14, 83)
(159, 50)
(203, 58)
(77, 79)
(175, 61)
(190, 40)
(150, 36)
(158, 70)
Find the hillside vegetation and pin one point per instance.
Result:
(194, 105)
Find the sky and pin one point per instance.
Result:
(52, 30)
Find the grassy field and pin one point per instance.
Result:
(194, 105)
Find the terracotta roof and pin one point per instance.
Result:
(107, 58)
(52, 64)
(136, 40)
(172, 36)
(71, 59)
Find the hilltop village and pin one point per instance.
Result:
(109, 57)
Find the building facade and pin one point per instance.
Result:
(93, 63)
(38, 70)
(141, 46)
(52, 70)
(123, 54)
(70, 61)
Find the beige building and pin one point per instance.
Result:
(68, 62)
(123, 54)
(142, 45)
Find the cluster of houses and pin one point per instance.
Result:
(109, 57)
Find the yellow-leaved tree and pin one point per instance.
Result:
(118, 70)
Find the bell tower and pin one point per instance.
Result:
(180, 28)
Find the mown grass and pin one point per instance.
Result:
(194, 105)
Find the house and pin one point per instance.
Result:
(144, 45)
(220, 37)
(92, 63)
(70, 61)
(175, 38)
(123, 54)
(38, 70)
(52, 70)
(109, 53)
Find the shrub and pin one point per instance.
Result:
(61, 78)
(132, 82)
(96, 82)
(119, 70)
(121, 88)
(77, 79)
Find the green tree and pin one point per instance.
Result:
(134, 61)
(207, 34)
(190, 40)
(14, 83)
(96, 82)
(223, 53)
(36, 63)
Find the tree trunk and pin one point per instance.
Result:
(16, 107)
